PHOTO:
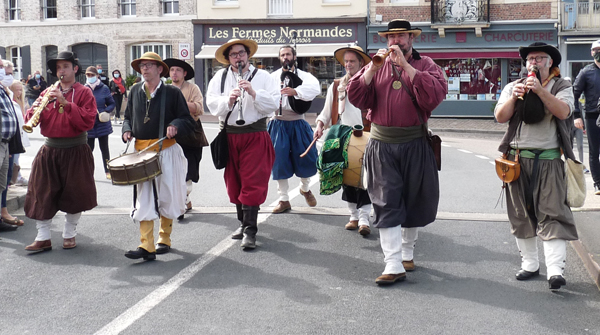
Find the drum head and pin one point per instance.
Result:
(132, 158)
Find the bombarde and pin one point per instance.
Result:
(240, 120)
(35, 118)
(379, 59)
(532, 73)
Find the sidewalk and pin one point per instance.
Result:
(588, 246)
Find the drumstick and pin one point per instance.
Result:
(151, 145)
(309, 147)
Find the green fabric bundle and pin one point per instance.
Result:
(334, 159)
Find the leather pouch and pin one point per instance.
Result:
(508, 170)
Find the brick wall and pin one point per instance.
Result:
(521, 11)
(412, 13)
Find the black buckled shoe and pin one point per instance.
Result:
(556, 282)
(525, 275)
(141, 253)
(162, 248)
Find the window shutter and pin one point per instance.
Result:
(25, 61)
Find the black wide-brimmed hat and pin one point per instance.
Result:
(182, 64)
(400, 26)
(64, 55)
(543, 47)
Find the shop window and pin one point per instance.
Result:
(127, 7)
(170, 6)
(14, 9)
(472, 78)
(49, 9)
(88, 8)
(325, 69)
(576, 67)
(137, 50)
(16, 59)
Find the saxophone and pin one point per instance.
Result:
(35, 118)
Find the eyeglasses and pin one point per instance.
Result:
(238, 54)
(536, 58)
(146, 65)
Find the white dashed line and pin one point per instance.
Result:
(482, 157)
(465, 151)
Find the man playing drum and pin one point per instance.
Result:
(401, 168)
(353, 59)
(146, 121)
(251, 152)
(291, 134)
(62, 174)
(180, 72)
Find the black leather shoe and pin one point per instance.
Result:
(141, 253)
(248, 242)
(162, 248)
(524, 275)
(238, 234)
(556, 282)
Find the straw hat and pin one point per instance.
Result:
(153, 57)
(400, 26)
(339, 54)
(250, 44)
(182, 64)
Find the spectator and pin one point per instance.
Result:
(35, 86)
(118, 91)
(102, 74)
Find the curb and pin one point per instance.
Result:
(588, 261)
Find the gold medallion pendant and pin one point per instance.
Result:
(397, 84)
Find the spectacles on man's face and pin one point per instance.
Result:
(146, 65)
(537, 59)
(242, 53)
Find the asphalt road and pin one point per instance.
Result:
(307, 276)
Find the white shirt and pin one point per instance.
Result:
(350, 117)
(266, 102)
(308, 91)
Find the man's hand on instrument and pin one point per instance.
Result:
(290, 92)
(233, 95)
(373, 67)
(579, 123)
(171, 131)
(55, 93)
(397, 56)
(247, 86)
(127, 136)
(533, 84)
(518, 91)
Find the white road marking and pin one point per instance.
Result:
(465, 151)
(138, 310)
(493, 162)
(446, 145)
(482, 157)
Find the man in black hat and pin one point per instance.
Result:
(180, 72)
(290, 132)
(401, 90)
(536, 201)
(62, 174)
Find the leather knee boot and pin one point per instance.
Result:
(238, 234)
(250, 226)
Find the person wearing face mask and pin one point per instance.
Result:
(118, 91)
(291, 134)
(35, 86)
(102, 126)
(353, 59)
(588, 83)
(102, 74)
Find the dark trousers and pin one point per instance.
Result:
(103, 140)
(593, 135)
(118, 102)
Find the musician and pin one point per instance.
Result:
(401, 168)
(290, 132)
(165, 195)
(536, 202)
(251, 153)
(353, 59)
(180, 72)
(62, 173)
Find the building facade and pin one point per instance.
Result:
(107, 32)
(475, 41)
(316, 27)
(580, 26)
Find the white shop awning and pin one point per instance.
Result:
(272, 50)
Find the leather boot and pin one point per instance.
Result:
(250, 226)
(238, 234)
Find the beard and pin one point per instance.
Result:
(287, 64)
(239, 65)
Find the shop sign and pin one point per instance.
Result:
(282, 34)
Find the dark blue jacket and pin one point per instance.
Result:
(105, 103)
(588, 83)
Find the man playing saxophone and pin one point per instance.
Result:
(62, 173)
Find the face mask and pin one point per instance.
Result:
(91, 80)
(597, 56)
(7, 80)
(116, 75)
(37, 76)
(99, 70)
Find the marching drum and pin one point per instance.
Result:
(355, 175)
(134, 168)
